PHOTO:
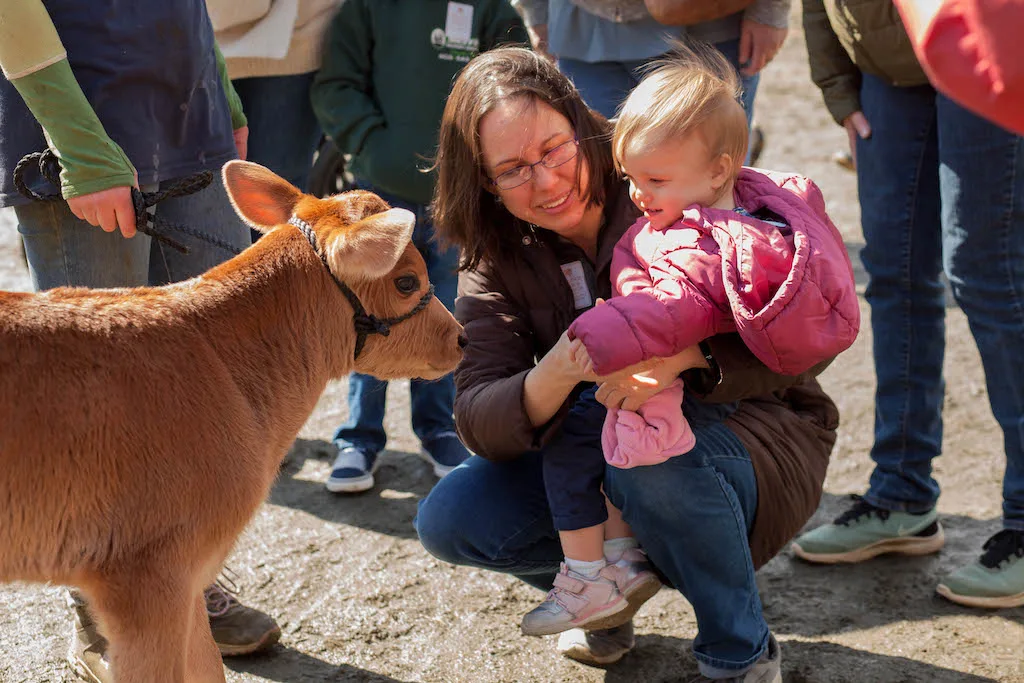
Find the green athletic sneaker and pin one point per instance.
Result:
(865, 531)
(996, 580)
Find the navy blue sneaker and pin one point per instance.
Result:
(445, 452)
(352, 471)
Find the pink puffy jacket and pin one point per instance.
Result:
(789, 292)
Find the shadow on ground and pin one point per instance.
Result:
(802, 662)
(402, 479)
(816, 600)
(291, 666)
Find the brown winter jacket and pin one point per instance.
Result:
(514, 310)
(847, 37)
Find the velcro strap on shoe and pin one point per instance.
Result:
(568, 583)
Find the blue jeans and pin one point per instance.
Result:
(692, 514)
(940, 190)
(431, 401)
(65, 251)
(605, 85)
(283, 131)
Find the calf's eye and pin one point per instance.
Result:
(407, 284)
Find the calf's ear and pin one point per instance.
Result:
(370, 248)
(260, 197)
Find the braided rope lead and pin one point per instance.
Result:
(48, 166)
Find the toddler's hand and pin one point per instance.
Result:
(579, 355)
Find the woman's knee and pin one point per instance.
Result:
(439, 522)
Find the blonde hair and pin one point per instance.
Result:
(693, 89)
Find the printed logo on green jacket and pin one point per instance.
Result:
(449, 49)
(455, 42)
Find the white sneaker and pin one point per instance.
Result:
(352, 471)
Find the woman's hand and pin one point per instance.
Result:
(633, 386)
(551, 381)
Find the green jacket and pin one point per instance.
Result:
(387, 70)
(847, 37)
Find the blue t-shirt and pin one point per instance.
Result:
(574, 33)
(149, 70)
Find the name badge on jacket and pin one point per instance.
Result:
(576, 276)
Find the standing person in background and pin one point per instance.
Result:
(128, 95)
(601, 45)
(379, 95)
(940, 189)
(273, 49)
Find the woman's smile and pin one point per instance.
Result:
(557, 204)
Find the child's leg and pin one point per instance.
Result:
(615, 527)
(583, 545)
(618, 536)
(585, 593)
(573, 471)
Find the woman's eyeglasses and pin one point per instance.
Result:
(555, 157)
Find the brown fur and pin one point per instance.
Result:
(141, 428)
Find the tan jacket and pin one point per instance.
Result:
(263, 24)
(847, 37)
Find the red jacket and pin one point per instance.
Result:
(789, 292)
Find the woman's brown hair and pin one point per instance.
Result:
(465, 213)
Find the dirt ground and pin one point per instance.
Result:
(358, 598)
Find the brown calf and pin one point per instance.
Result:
(141, 428)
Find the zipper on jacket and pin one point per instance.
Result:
(530, 239)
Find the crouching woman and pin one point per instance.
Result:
(527, 190)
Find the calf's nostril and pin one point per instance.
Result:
(463, 341)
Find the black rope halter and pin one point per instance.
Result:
(48, 166)
(365, 323)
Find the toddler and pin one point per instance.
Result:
(719, 248)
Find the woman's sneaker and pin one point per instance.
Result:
(865, 531)
(352, 471)
(996, 580)
(598, 647)
(578, 602)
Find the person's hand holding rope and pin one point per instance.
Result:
(111, 209)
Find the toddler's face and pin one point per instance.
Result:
(667, 179)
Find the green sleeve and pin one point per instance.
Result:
(341, 90)
(238, 119)
(38, 68)
(832, 70)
